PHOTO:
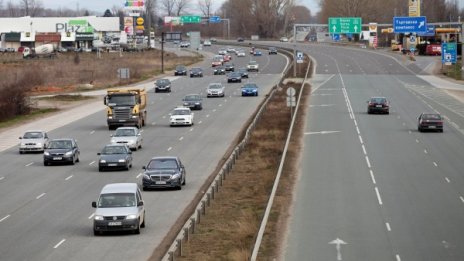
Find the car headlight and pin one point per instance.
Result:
(46, 153)
(131, 216)
(69, 153)
(130, 141)
(135, 116)
(145, 176)
(197, 103)
(175, 176)
(186, 103)
(102, 161)
(98, 218)
(122, 160)
(110, 117)
(113, 141)
(39, 144)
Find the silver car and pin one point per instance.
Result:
(34, 140)
(215, 90)
(131, 136)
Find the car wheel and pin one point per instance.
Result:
(100, 169)
(136, 147)
(143, 223)
(179, 187)
(156, 91)
(78, 160)
(185, 181)
(96, 233)
(144, 189)
(45, 163)
(419, 129)
(73, 161)
(137, 230)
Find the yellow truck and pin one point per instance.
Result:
(126, 107)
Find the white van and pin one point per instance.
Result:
(119, 208)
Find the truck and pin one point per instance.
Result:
(126, 107)
(45, 50)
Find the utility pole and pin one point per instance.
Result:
(162, 52)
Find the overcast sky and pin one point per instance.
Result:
(100, 6)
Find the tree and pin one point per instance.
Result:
(108, 13)
(168, 6)
(180, 6)
(205, 7)
(30, 7)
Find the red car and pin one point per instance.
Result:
(378, 104)
(227, 57)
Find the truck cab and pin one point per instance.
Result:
(126, 107)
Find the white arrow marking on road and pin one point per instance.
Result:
(320, 132)
(322, 105)
(338, 242)
(59, 243)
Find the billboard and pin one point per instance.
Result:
(134, 4)
(129, 25)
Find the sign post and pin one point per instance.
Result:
(448, 53)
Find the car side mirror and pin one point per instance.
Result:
(94, 204)
(143, 167)
(140, 203)
(20, 138)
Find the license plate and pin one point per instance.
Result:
(57, 158)
(117, 223)
(432, 127)
(378, 106)
(161, 182)
(122, 120)
(112, 165)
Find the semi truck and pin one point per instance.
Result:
(46, 51)
(126, 107)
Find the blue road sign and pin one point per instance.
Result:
(430, 31)
(448, 52)
(413, 24)
(214, 19)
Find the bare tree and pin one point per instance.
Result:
(168, 6)
(180, 6)
(12, 9)
(205, 7)
(30, 7)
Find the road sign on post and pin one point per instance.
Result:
(345, 25)
(430, 31)
(406, 24)
(299, 57)
(448, 53)
(190, 19)
(214, 19)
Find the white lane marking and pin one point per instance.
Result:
(91, 162)
(388, 226)
(153, 123)
(404, 124)
(455, 125)
(447, 179)
(91, 216)
(410, 132)
(360, 139)
(164, 117)
(214, 110)
(372, 176)
(92, 132)
(199, 122)
(358, 131)
(417, 141)
(378, 196)
(320, 132)
(59, 243)
(462, 199)
(7, 216)
(170, 148)
(398, 117)
(368, 162)
(29, 164)
(356, 123)
(68, 178)
(2, 178)
(435, 164)
(364, 149)
(181, 138)
(398, 258)
(220, 105)
(425, 151)
(207, 115)
(191, 129)
(138, 176)
(41, 195)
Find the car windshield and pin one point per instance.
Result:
(116, 200)
(162, 164)
(33, 135)
(378, 100)
(191, 98)
(60, 144)
(431, 116)
(162, 81)
(196, 69)
(235, 74)
(180, 68)
(109, 150)
(181, 112)
(215, 86)
(250, 85)
(121, 99)
(252, 63)
(124, 132)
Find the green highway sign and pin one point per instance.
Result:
(190, 19)
(345, 25)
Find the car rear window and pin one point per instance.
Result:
(378, 100)
(431, 116)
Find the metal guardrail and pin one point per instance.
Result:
(176, 248)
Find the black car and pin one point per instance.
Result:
(163, 85)
(243, 72)
(196, 72)
(61, 151)
(430, 121)
(234, 77)
(219, 70)
(115, 156)
(240, 39)
(193, 101)
(272, 50)
(164, 172)
(378, 105)
(229, 67)
(180, 70)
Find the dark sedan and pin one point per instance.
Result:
(430, 121)
(378, 105)
(196, 72)
(272, 50)
(219, 70)
(115, 156)
(250, 89)
(61, 151)
(164, 172)
(229, 67)
(243, 72)
(180, 70)
(163, 85)
(193, 101)
(234, 77)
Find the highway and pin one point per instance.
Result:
(46, 213)
(371, 187)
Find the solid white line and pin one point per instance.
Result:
(360, 139)
(398, 258)
(388, 226)
(138, 176)
(378, 195)
(92, 132)
(91, 162)
(199, 122)
(355, 123)
(170, 148)
(59, 243)
(435, 164)
(68, 177)
(368, 162)
(29, 164)
(425, 151)
(357, 130)
(364, 149)
(462, 199)
(372, 176)
(2, 178)
(7, 216)
(41, 195)
(91, 216)
(447, 180)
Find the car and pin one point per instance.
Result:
(240, 53)
(219, 70)
(10, 50)
(430, 121)
(120, 207)
(253, 66)
(215, 90)
(257, 53)
(252, 50)
(62, 50)
(213, 40)
(196, 72)
(207, 43)
(181, 116)
(180, 70)
(222, 51)
(130, 136)
(250, 89)
(218, 60)
(164, 172)
(115, 156)
(283, 39)
(21, 49)
(227, 57)
(229, 67)
(63, 150)
(230, 50)
(378, 105)
(163, 85)
(184, 44)
(33, 140)
(240, 39)
(243, 72)
(272, 50)
(234, 77)
(193, 101)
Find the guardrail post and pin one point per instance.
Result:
(199, 216)
(194, 222)
(171, 256)
(203, 207)
(179, 244)
(208, 199)
(186, 233)
(213, 190)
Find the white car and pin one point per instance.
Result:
(207, 43)
(222, 51)
(240, 53)
(230, 50)
(33, 140)
(184, 44)
(131, 136)
(253, 66)
(181, 116)
(284, 39)
(215, 90)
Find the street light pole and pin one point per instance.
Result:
(162, 52)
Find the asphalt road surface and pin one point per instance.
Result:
(46, 213)
(371, 187)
